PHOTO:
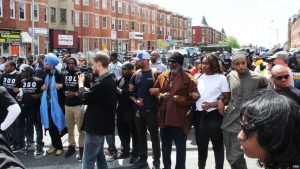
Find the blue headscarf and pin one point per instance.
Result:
(56, 111)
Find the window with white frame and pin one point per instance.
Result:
(72, 17)
(120, 7)
(53, 14)
(132, 10)
(127, 9)
(1, 8)
(97, 3)
(113, 23)
(168, 32)
(104, 4)
(149, 14)
(86, 2)
(77, 2)
(168, 19)
(153, 15)
(138, 11)
(85, 44)
(46, 14)
(160, 30)
(143, 28)
(120, 24)
(96, 43)
(127, 25)
(132, 26)
(194, 31)
(85, 19)
(77, 18)
(63, 16)
(35, 12)
(143, 12)
(22, 11)
(149, 30)
(113, 5)
(12, 8)
(104, 44)
(96, 21)
(104, 22)
(161, 17)
(153, 29)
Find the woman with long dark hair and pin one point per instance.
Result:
(271, 130)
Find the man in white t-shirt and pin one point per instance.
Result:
(115, 66)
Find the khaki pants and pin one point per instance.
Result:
(74, 116)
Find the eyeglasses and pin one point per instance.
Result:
(247, 129)
(281, 77)
(171, 61)
(81, 60)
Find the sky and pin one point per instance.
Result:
(256, 22)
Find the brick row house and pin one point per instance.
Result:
(87, 25)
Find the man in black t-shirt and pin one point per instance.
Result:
(281, 78)
(30, 115)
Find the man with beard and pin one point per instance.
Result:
(146, 116)
(52, 104)
(244, 85)
(73, 108)
(30, 114)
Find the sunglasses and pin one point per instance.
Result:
(172, 61)
(247, 129)
(281, 77)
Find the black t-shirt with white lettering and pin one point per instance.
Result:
(9, 81)
(6, 100)
(31, 87)
(70, 83)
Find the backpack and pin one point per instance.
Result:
(153, 73)
(7, 157)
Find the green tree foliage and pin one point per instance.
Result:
(230, 41)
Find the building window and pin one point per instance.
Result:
(36, 44)
(132, 26)
(12, 8)
(104, 44)
(120, 7)
(97, 3)
(63, 16)
(104, 22)
(143, 12)
(85, 19)
(36, 12)
(127, 9)
(22, 12)
(161, 17)
(77, 19)
(153, 15)
(104, 4)
(138, 27)
(46, 14)
(1, 8)
(85, 44)
(120, 24)
(143, 28)
(160, 31)
(72, 17)
(86, 2)
(77, 2)
(113, 5)
(96, 43)
(53, 14)
(113, 22)
(132, 10)
(153, 29)
(149, 29)
(138, 11)
(97, 21)
(194, 31)
(127, 26)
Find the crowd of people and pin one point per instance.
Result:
(244, 103)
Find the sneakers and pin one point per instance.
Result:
(140, 164)
(112, 154)
(58, 152)
(51, 151)
(39, 150)
(17, 148)
(123, 155)
(80, 154)
(71, 151)
(29, 147)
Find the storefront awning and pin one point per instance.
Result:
(26, 38)
(171, 42)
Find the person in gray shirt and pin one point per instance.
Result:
(156, 63)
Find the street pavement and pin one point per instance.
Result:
(60, 162)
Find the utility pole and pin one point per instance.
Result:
(32, 27)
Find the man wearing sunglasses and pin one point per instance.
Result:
(281, 80)
(282, 58)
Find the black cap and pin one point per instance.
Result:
(176, 56)
(127, 65)
(28, 69)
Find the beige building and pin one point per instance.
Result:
(294, 31)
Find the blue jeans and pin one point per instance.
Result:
(110, 139)
(168, 135)
(93, 152)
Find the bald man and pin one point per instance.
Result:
(156, 63)
(281, 79)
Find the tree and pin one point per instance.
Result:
(230, 41)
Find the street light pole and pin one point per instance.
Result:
(32, 27)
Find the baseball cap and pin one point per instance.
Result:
(142, 55)
(281, 54)
(28, 69)
(127, 65)
(263, 54)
